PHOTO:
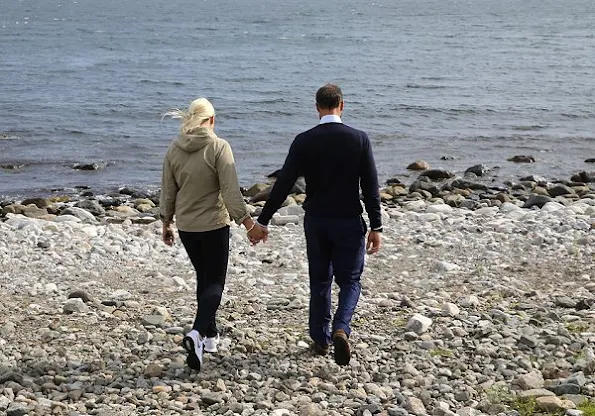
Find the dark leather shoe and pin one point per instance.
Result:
(342, 349)
(320, 349)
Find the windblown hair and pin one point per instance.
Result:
(199, 111)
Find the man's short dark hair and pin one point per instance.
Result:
(329, 96)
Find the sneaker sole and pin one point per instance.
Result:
(192, 359)
(342, 351)
(211, 351)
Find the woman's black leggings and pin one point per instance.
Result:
(209, 253)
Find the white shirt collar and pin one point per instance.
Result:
(331, 118)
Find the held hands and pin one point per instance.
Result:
(168, 234)
(374, 242)
(258, 233)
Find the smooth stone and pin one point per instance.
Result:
(530, 381)
(534, 393)
(537, 201)
(156, 320)
(75, 305)
(418, 324)
(79, 213)
(91, 205)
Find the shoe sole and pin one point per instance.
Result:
(341, 350)
(317, 350)
(211, 351)
(192, 359)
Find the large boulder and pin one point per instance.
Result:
(91, 205)
(419, 165)
(537, 200)
(423, 183)
(256, 189)
(584, 176)
(478, 170)
(38, 202)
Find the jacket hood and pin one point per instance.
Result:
(197, 140)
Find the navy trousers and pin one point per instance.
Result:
(336, 247)
(209, 254)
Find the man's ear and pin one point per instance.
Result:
(342, 105)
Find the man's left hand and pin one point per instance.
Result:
(374, 242)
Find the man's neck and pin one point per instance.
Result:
(326, 112)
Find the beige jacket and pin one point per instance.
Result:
(200, 184)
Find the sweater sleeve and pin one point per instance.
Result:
(169, 191)
(228, 183)
(285, 181)
(369, 185)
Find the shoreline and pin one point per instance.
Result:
(472, 191)
(510, 170)
(464, 312)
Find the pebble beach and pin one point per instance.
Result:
(480, 302)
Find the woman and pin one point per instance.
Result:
(200, 187)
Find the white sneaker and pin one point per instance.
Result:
(211, 343)
(193, 344)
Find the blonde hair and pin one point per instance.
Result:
(199, 111)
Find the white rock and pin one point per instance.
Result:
(4, 402)
(429, 217)
(50, 227)
(43, 402)
(418, 324)
(450, 309)
(121, 294)
(485, 212)
(75, 305)
(468, 411)
(551, 207)
(446, 266)
(51, 287)
(67, 218)
(414, 205)
(291, 210)
(80, 213)
(17, 222)
(439, 209)
(284, 220)
(468, 301)
(180, 282)
(509, 207)
(91, 231)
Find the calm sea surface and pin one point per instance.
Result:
(478, 80)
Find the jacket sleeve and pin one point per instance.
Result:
(369, 185)
(282, 187)
(228, 183)
(169, 191)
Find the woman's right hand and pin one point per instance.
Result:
(168, 234)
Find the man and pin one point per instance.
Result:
(335, 160)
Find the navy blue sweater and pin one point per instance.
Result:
(335, 161)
